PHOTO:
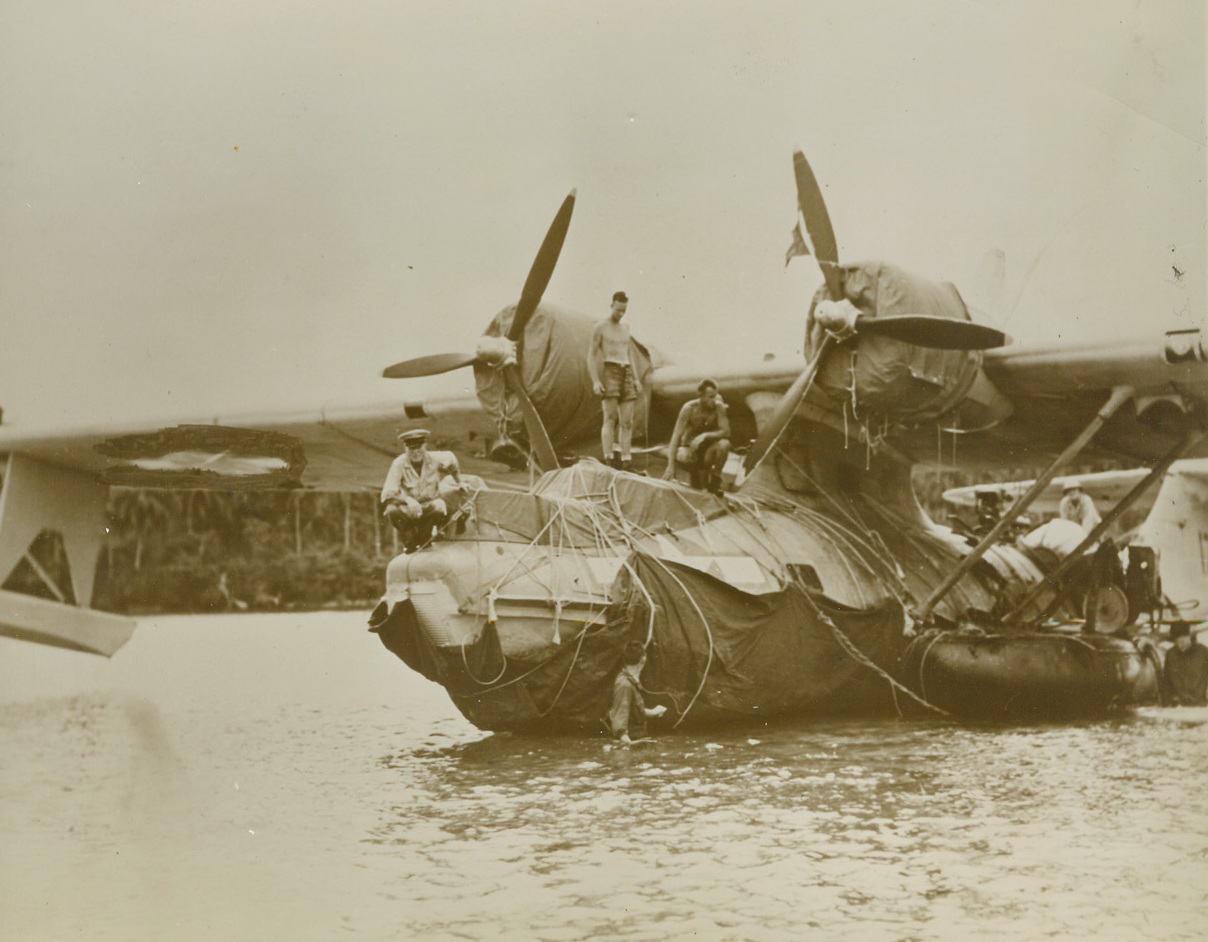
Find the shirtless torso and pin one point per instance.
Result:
(609, 344)
(614, 379)
(612, 341)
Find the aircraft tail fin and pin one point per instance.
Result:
(36, 497)
(1178, 528)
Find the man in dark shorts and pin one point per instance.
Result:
(701, 440)
(614, 377)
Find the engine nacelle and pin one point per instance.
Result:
(553, 365)
(881, 381)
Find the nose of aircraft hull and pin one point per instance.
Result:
(434, 585)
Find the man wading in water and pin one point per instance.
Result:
(1185, 673)
(629, 712)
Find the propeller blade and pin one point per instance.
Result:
(429, 365)
(927, 330)
(542, 447)
(786, 407)
(534, 287)
(543, 268)
(818, 224)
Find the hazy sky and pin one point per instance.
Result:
(234, 205)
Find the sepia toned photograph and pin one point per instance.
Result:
(553, 471)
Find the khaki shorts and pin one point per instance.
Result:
(618, 382)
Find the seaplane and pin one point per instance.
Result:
(813, 585)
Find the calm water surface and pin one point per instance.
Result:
(284, 777)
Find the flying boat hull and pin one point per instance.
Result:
(785, 655)
(748, 612)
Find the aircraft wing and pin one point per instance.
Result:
(1106, 488)
(1055, 391)
(57, 479)
(330, 447)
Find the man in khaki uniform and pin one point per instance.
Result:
(423, 488)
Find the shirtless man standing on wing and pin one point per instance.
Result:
(614, 377)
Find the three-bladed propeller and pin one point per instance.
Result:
(922, 330)
(508, 356)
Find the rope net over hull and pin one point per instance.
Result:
(747, 610)
(715, 653)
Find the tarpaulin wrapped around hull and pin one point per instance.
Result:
(733, 654)
(565, 688)
(716, 653)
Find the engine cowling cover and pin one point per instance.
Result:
(878, 379)
(553, 365)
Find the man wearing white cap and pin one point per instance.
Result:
(1077, 506)
(422, 489)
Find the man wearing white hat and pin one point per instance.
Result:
(422, 489)
(1077, 506)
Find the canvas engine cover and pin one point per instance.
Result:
(880, 379)
(554, 370)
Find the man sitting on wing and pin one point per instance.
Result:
(423, 488)
(701, 440)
